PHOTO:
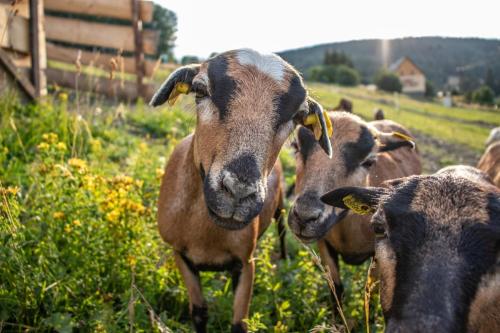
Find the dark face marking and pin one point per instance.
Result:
(306, 143)
(234, 264)
(289, 102)
(354, 153)
(222, 86)
(245, 168)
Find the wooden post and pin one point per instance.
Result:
(139, 53)
(37, 45)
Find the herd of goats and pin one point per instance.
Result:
(435, 239)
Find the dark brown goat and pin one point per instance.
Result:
(437, 249)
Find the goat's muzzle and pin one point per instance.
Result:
(310, 219)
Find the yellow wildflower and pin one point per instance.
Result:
(5, 150)
(61, 146)
(50, 137)
(58, 215)
(143, 146)
(77, 223)
(159, 173)
(63, 97)
(78, 164)
(113, 216)
(132, 260)
(12, 190)
(43, 146)
(67, 228)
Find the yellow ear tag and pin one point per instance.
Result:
(402, 136)
(180, 88)
(357, 206)
(313, 119)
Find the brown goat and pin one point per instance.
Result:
(378, 114)
(363, 154)
(344, 105)
(490, 162)
(220, 189)
(437, 242)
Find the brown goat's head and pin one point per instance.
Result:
(436, 237)
(247, 106)
(355, 145)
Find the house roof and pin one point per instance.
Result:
(395, 65)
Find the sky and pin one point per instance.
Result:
(275, 25)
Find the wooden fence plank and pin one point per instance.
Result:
(120, 9)
(14, 31)
(97, 34)
(37, 43)
(21, 6)
(125, 90)
(96, 59)
(20, 80)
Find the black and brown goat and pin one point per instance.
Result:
(437, 249)
(363, 154)
(220, 191)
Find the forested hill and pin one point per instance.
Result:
(438, 57)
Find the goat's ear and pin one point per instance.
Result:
(361, 200)
(179, 82)
(392, 141)
(317, 120)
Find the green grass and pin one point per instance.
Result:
(471, 136)
(79, 245)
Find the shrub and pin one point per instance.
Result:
(387, 81)
(341, 74)
(429, 89)
(346, 76)
(484, 95)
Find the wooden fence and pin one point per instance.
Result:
(106, 34)
(22, 47)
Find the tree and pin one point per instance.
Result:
(388, 81)
(165, 21)
(337, 58)
(484, 95)
(189, 59)
(429, 89)
(491, 81)
(346, 76)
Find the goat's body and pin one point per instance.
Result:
(490, 163)
(353, 237)
(200, 244)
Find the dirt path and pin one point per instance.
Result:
(438, 153)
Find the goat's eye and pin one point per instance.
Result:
(379, 230)
(200, 91)
(368, 163)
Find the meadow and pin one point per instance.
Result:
(79, 181)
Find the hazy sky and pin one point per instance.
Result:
(267, 26)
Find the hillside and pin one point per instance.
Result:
(437, 56)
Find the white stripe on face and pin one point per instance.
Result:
(270, 64)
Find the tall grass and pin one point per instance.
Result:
(80, 249)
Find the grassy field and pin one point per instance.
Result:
(79, 246)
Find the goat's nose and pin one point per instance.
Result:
(305, 216)
(238, 189)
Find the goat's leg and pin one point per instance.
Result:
(242, 295)
(197, 306)
(329, 257)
